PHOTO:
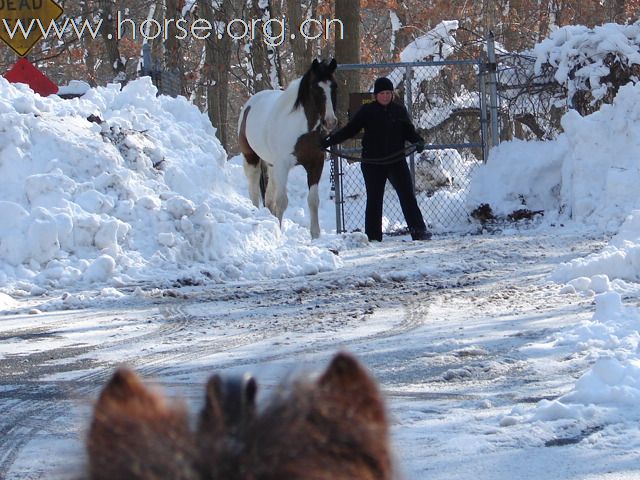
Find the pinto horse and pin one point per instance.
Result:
(333, 428)
(283, 129)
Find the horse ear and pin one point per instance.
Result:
(251, 391)
(228, 404)
(333, 65)
(314, 64)
(346, 381)
(125, 387)
(343, 370)
(211, 416)
(135, 433)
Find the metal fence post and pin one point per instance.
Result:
(493, 89)
(337, 182)
(408, 93)
(482, 88)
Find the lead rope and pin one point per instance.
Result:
(388, 160)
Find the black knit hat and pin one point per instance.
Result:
(382, 84)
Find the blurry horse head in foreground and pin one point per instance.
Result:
(332, 428)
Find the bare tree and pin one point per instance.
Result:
(301, 57)
(172, 53)
(261, 48)
(347, 51)
(110, 39)
(216, 71)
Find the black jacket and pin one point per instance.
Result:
(386, 128)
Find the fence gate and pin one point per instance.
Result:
(446, 100)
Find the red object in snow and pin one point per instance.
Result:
(24, 72)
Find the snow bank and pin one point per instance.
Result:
(520, 174)
(589, 174)
(618, 260)
(609, 390)
(120, 186)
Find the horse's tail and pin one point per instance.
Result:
(252, 162)
(264, 180)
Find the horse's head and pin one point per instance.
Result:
(317, 95)
(332, 427)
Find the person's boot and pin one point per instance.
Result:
(420, 235)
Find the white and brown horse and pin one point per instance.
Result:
(283, 129)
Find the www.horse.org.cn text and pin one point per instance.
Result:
(272, 32)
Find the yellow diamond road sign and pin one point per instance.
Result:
(23, 22)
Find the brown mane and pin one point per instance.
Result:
(332, 429)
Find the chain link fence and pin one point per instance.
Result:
(443, 98)
(531, 103)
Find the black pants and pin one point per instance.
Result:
(375, 179)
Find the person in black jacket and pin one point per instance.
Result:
(386, 127)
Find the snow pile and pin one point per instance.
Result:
(582, 57)
(589, 174)
(120, 186)
(609, 390)
(618, 260)
(436, 44)
(520, 174)
(600, 176)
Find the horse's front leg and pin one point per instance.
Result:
(313, 200)
(314, 172)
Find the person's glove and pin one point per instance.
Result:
(420, 147)
(325, 142)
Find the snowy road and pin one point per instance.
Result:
(442, 325)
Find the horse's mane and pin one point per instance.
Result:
(322, 70)
(304, 90)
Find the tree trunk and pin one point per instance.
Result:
(402, 36)
(216, 70)
(172, 53)
(172, 46)
(617, 12)
(347, 51)
(260, 51)
(89, 54)
(157, 43)
(276, 12)
(301, 60)
(110, 40)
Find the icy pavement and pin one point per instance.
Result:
(454, 329)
